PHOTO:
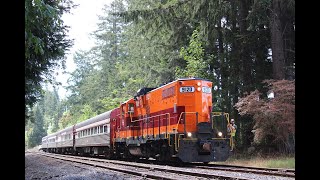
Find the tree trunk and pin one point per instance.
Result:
(244, 49)
(277, 41)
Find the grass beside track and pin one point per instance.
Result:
(287, 162)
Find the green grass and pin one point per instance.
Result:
(283, 162)
(286, 162)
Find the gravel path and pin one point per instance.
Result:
(41, 167)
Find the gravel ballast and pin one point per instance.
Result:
(41, 167)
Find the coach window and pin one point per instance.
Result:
(105, 129)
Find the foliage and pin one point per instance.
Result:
(35, 130)
(193, 54)
(86, 113)
(111, 103)
(65, 120)
(274, 118)
(45, 44)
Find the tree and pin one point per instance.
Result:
(45, 44)
(196, 67)
(274, 117)
(36, 131)
(278, 52)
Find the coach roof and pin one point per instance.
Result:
(97, 118)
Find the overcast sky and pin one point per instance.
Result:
(82, 21)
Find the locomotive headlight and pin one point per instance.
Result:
(189, 134)
(220, 134)
(199, 88)
(199, 83)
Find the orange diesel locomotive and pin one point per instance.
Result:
(171, 122)
(168, 122)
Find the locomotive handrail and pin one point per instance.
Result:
(228, 124)
(185, 134)
(153, 117)
(185, 119)
(177, 144)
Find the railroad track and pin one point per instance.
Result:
(234, 168)
(143, 170)
(248, 169)
(190, 171)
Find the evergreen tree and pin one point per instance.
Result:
(45, 45)
(36, 130)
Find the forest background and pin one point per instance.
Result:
(245, 47)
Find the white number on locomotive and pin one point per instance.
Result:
(186, 89)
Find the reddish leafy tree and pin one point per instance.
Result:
(274, 117)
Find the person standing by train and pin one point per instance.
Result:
(232, 128)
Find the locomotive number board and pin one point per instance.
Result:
(186, 89)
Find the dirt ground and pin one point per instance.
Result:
(41, 167)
